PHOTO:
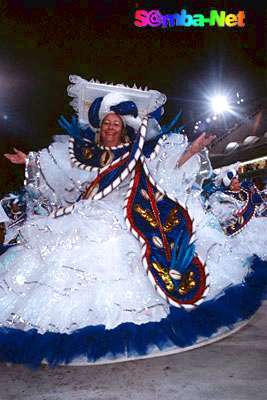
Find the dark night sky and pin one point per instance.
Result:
(41, 46)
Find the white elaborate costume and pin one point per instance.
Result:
(81, 273)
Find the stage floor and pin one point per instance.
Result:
(232, 369)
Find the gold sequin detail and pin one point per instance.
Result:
(106, 158)
(171, 221)
(87, 153)
(242, 196)
(164, 275)
(147, 215)
(188, 283)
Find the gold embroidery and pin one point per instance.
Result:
(188, 283)
(171, 220)
(106, 158)
(164, 275)
(87, 153)
(147, 215)
(242, 196)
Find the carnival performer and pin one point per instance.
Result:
(116, 258)
(233, 202)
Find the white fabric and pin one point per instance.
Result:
(85, 268)
(85, 92)
(3, 216)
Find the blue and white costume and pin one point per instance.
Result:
(127, 263)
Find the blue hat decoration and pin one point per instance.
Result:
(228, 177)
(93, 112)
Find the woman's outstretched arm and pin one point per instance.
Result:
(198, 145)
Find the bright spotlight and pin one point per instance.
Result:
(219, 104)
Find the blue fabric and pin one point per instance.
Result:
(4, 247)
(150, 145)
(180, 328)
(93, 113)
(230, 175)
(158, 258)
(125, 108)
(157, 114)
(96, 153)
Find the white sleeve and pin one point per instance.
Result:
(49, 174)
(178, 181)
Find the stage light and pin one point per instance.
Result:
(219, 104)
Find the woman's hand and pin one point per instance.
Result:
(18, 157)
(201, 142)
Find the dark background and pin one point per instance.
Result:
(41, 45)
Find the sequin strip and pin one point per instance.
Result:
(32, 162)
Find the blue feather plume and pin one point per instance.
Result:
(171, 126)
(183, 252)
(74, 129)
(157, 114)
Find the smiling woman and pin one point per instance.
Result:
(111, 133)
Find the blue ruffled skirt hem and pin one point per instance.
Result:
(180, 328)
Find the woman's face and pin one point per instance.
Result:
(111, 130)
(235, 184)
